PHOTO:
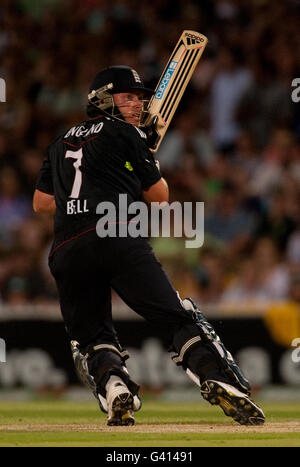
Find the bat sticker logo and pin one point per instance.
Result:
(192, 39)
(165, 80)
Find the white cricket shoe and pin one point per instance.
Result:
(233, 402)
(119, 402)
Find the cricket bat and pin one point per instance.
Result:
(173, 83)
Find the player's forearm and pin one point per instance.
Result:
(43, 202)
(166, 187)
(48, 208)
(157, 193)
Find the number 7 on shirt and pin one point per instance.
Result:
(77, 155)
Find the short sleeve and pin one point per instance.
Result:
(44, 182)
(141, 158)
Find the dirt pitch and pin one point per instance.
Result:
(272, 427)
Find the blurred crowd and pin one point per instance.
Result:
(234, 143)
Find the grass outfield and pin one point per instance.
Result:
(158, 424)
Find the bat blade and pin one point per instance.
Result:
(174, 81)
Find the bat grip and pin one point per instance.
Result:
(153, 136)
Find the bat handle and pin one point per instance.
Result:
(153, 136)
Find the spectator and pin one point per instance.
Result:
(269, 173)
(210, 274)
(22, 283)
(185, 137)
(266, 104)
(246, 287)
(231, 81)
(271, 269)
(293, 249)
(229, 223)
(246, 156)
(15, 207)
(277, 223)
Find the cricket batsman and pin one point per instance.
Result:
(96, 161)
